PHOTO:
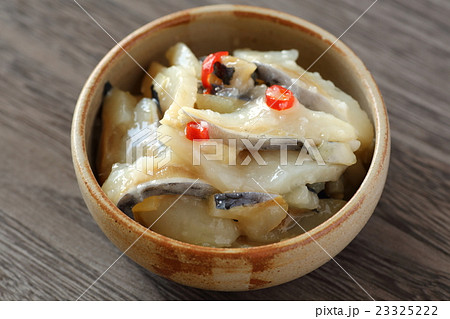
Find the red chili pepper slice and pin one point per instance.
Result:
(208, 68)
(279, 98)
(197, 130)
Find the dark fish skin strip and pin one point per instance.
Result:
(106, 88)
(173, 186)
(155, 97)
(223, 72)
(227, 201)
(187, 187)
(255, 76)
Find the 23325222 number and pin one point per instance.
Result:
(406, 310)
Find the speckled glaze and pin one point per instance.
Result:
(208, 29)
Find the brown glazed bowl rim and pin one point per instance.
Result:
(82, 166)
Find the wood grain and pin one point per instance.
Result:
(51, 248)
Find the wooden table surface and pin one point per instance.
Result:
(51, 248)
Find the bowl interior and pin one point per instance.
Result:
(219, 30)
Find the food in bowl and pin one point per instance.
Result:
(232, 150)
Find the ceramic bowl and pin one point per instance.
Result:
(205, 30)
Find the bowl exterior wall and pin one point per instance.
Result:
(218, 268)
